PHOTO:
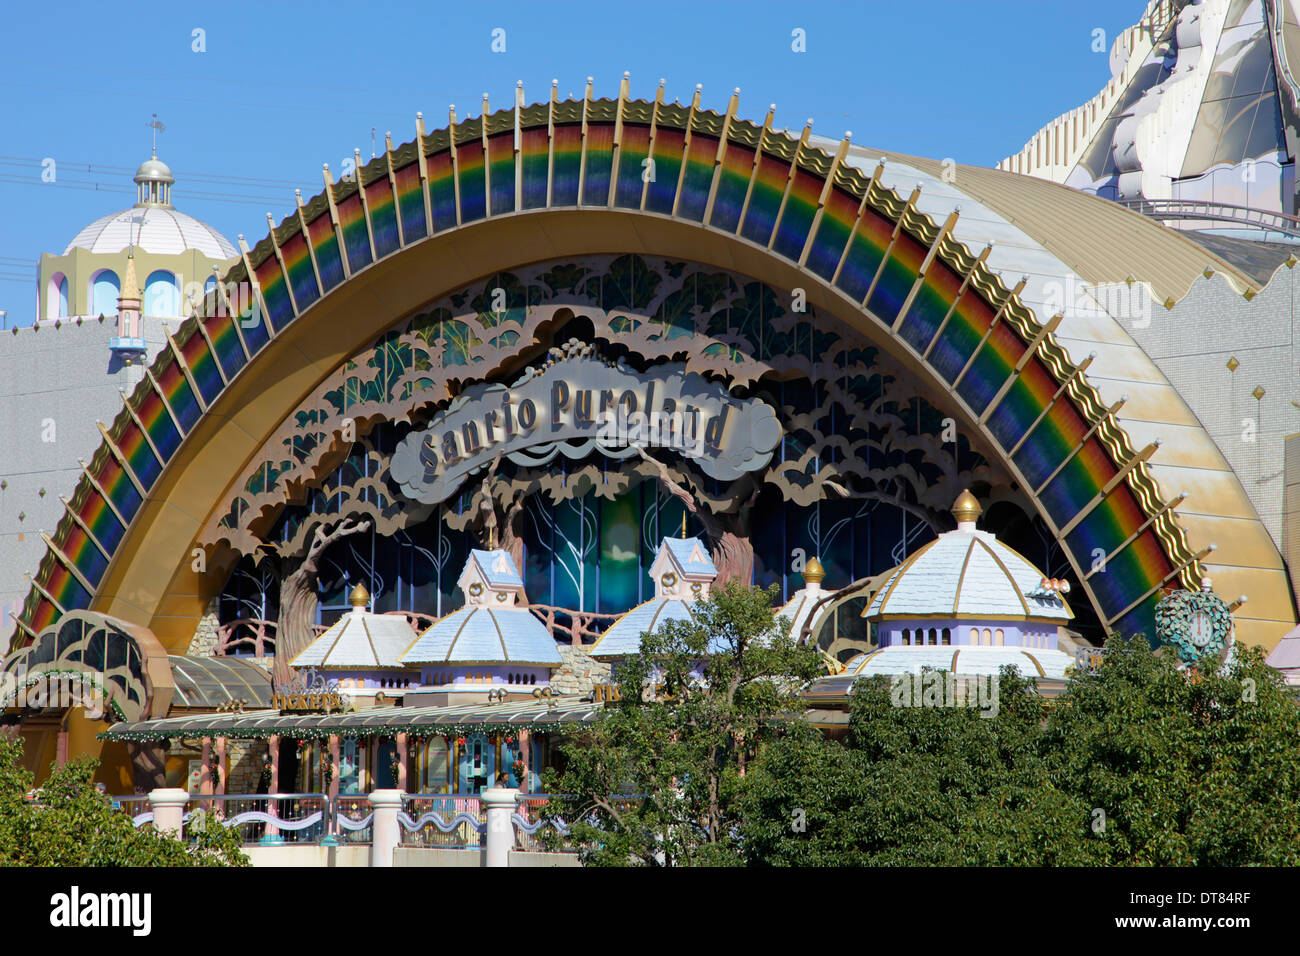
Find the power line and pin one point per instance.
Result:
(26, 161)
(92, 186)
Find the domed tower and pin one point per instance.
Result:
(493, 645)
(174, 255)
(362, 651)
(805, 606)
(682, 573)
(968, 604)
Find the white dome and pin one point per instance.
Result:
(155, 229)
(967, 573)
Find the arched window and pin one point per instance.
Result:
(56, 296)
(999, 637)
(974, 636)
(934, 636)
(987, 636)
(907, 636)
(162, 295)
(532, 678)
(947, 636)
(104, 290)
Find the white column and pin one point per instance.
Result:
(168, 805)
(499, 802)
(385, 832)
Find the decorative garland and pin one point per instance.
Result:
(1174, 615)
(460, 731)
(90, 677)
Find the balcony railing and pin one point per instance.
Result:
(438, 821)
(266, 818)
(1191, 209)
(441, 820)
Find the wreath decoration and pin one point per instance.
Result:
(1174, 616)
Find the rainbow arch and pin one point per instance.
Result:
(898, 273)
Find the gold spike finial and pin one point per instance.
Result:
(359, 597)
(966, 507)
(813, 572)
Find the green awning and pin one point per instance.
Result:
(376, 722)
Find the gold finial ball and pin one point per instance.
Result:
(359, 597)
(966, 507)
(813, 572)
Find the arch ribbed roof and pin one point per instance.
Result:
(800, 607)
(623, 637)
(206, 683)
(485, 635)
(154, 229)
(359, 640)
(966, 574)
(1100, 240)
(841, 226)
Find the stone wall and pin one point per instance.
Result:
(579, 672)
(55, 383)
(244, 759)
(204, 642)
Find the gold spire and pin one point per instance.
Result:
(966, 507)
(813, 572)
(359, 597)
(130, 284)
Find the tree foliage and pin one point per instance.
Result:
(1141, 761)
(70, 823)
(1137, 763)
(657, 780)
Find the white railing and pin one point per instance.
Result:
(528, 822)
(500, 822)
(1221, 212)
(263, 818)
(441, 820)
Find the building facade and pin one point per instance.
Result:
(501, 357)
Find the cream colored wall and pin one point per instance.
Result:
(80, 265)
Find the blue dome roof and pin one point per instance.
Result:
(967, 573)
(623, 638)
(485, 635)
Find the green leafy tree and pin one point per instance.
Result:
(656, 781)
(1178, 768)
(915, 786)
(72, 824)
(1139, 762)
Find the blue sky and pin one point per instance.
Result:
(284, 87)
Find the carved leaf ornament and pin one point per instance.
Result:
(1180, 616)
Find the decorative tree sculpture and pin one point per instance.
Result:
(298, 577)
